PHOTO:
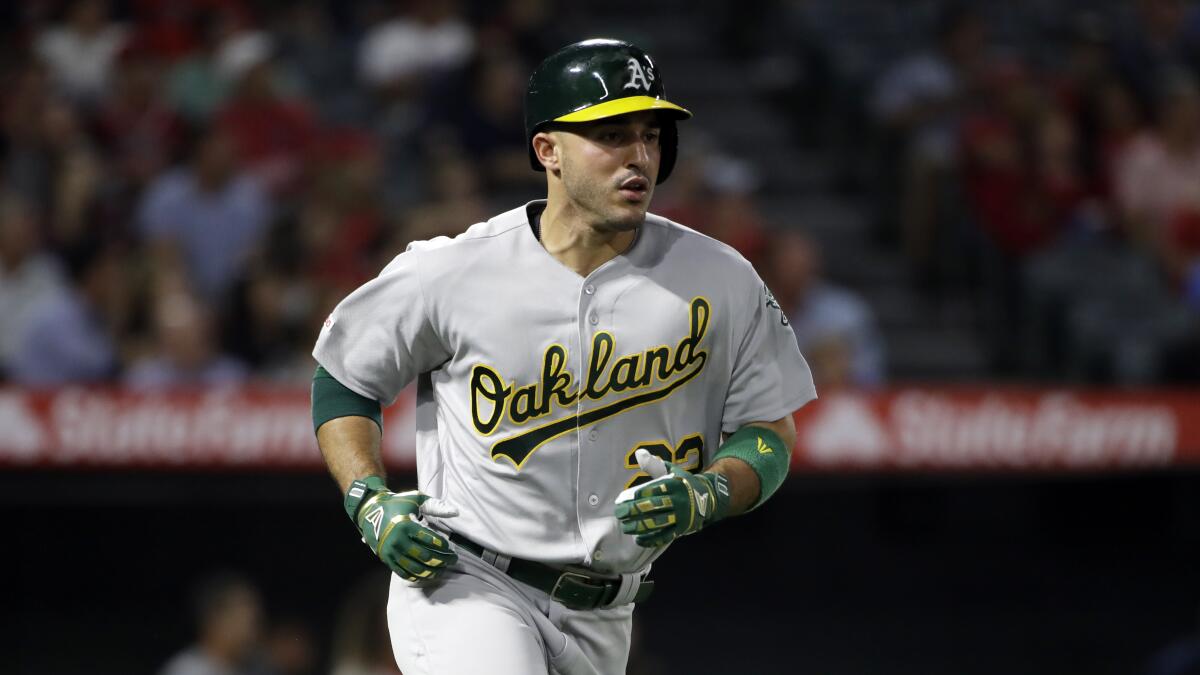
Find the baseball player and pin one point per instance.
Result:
(593, 382)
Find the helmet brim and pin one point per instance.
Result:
(622, 106)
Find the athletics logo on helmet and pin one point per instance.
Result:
(637, 76)
(596, 79)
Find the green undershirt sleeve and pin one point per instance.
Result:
(332, 399)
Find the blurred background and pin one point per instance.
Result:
(983, 219)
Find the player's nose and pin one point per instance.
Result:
(639, 156)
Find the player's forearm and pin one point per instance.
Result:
(745, 485)
(350, 446)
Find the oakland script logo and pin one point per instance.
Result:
(649, 376)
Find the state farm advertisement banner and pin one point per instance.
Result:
(974, 429)
(927, 429)
(252, 428)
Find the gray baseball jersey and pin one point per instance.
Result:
(536, 386)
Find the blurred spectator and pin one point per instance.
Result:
(49, 158)
(1086, 54)
(456, 202)
(361, 643)
(922, 95)
(399, 58)
(1109, 120)
(1019, 160)
(342, 218)
(919, 103)
(205, 219)
(185, 352)
(26, 163)
(228, 614)
(835, 329)
(194, 87)
(137, 130)
(323, 250)
(166, 29)
(484, 110)
(730, 210)
(320, 62)
(273, 314)
(80, 51)
(72, 336)
(29, 277)
(716, 196)
(1101, 312)
(271, 133)
(1164, 36)
(1024, 188)
(431, 38)
(290, 648)
(534, 28)
(77, 181)
(1158, 177)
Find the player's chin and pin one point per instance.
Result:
(631, 213)
(627, 220)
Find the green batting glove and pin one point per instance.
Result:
(389, 525)
(671, 505)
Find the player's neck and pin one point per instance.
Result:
(572, 239)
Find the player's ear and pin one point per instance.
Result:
(546, 148)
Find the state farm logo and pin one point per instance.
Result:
(1045, 430)
(847, 430)
(23, 436)
(997, 431)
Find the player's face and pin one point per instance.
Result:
(609, 168)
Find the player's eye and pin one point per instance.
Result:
(651, 136)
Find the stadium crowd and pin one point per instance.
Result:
(188, 186)
(1066, 174)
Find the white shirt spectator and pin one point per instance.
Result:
(215, 230)
(829, 312)
(80, 63)
(23, 289)
(922, 81)
(399, 49)
(64, 342)
(1155, 184)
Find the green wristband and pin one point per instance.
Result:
(765, 452)
(360, 491)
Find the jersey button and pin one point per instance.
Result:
(593, 435)
(589, 289)
(593, 319)
(593, 500)
(599, 555)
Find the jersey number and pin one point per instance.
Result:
(686, 455)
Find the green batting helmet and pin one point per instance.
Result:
(595, 79)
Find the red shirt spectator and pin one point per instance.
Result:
(270, 134)
(1021, 178)
(137, 129)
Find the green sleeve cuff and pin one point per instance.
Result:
(332, 399)
(765, 452)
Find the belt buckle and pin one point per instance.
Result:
(576, 590)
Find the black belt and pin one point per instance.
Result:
(577, 588)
